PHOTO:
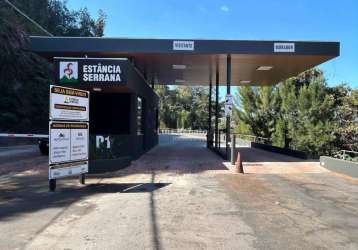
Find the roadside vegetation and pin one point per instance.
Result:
(301, 113)
(185, 107)
(24, 76)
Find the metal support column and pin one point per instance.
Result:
(228, 85)
(152, 81)
(217, 106)
(210, 134)
(233, 149)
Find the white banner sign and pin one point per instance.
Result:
(68, 142)
(228, 110)
(228, 99)
(69, 104)
(63, 170)
(183, 45)
(284, 47)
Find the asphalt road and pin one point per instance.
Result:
(183, 197)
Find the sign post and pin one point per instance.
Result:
(68, 133)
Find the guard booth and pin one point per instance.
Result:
(124, 113)
(123, 109)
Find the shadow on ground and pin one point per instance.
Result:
(22, 194)
(27, 198)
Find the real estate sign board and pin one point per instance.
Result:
(68, 132)
(68, 142)
(69, 104)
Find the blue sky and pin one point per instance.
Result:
(313, 20)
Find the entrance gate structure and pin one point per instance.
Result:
(182, 62)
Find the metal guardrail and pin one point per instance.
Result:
(252, 138)
(241, 140)
(182, 131)
(342, 154)
(181, 137)
(346, 155)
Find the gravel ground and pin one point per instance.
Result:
(182, 196)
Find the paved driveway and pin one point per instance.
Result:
(184, 197)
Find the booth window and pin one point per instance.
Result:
(139, 116)
(110, 113)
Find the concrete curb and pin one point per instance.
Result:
(340, 166)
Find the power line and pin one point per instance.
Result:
(28, 18)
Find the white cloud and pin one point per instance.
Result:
(224, 8)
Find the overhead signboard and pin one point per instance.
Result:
(284, 47)
(68, 104)
(68, 142)
(91, 70)
(183, 45)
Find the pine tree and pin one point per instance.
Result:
(286, 117)
(257, 108)
(279, 135)
(346, 117)
(300, 113)
(313, 132)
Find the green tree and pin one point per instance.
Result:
(313, 130)
(55, 17)
(184, 107)
(24, 79)
(299, 113)
(100, 24)
(286, 115)
(24, 76)
(346, 117)
(257, 108)
(167, 108)
(279, 137)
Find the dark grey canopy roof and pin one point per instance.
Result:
(192, 61)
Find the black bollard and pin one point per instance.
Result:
(82, 179)
(52, 185)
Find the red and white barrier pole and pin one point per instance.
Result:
(23, 135)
